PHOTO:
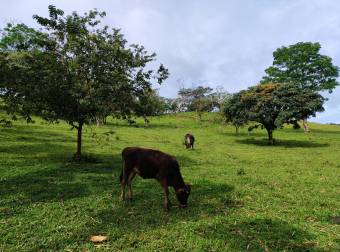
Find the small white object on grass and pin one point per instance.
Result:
(98, 238)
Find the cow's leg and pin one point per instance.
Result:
(129, 182)
(187, 143)
(122, 194)
(126, 169)
(165, 187)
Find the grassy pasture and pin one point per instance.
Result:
(246, 195)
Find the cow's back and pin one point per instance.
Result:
(149, 163)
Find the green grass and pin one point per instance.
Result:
(246, 195)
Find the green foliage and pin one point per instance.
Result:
(171, 105)
(303, 65)
(196, 99)
(282, 203)
(149, 104)
(296, 125)
(234, 112)
(273, 104)
(5, 122)
(73, 70)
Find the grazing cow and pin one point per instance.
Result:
(189, 141)
(149, 163)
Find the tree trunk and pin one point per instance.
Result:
(77, 156)
(305, 125)
(270, 136)
(146, 122)
(236, 129)
(199, 115)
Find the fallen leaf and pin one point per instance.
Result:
(98, 238)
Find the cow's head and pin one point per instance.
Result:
(183, 194)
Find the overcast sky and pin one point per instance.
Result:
(225, 43)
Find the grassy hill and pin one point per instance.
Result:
(246, 195)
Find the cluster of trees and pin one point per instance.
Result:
(74, 69)
(289, 92)
(199, 99)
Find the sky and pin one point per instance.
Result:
(227, 43)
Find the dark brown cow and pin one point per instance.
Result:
(149, 163)
(189, 141)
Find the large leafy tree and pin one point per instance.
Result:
(72, 70)
(302, 64)
(273, 104)
(234, 112)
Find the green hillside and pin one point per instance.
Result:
(246, 195)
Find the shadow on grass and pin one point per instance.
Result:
(61, 180)
(146, 212)
(244, 134)
(35, 133)
(259, 235)
(33, 145)
(185, 161)
(152, 125)
(282, 143)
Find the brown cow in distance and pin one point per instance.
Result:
(149, 163)
(189, 141)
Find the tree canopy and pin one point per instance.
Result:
(149, 104)
(273, 104)
(303, 65)
(73, 70)
(234, 112)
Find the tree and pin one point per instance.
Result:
(171, 105)
(220, 97)
(303, 65)
(72, 70)
(273, 104)
(149, 104)
(233, 112)
(196, 99)
(184, 99)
